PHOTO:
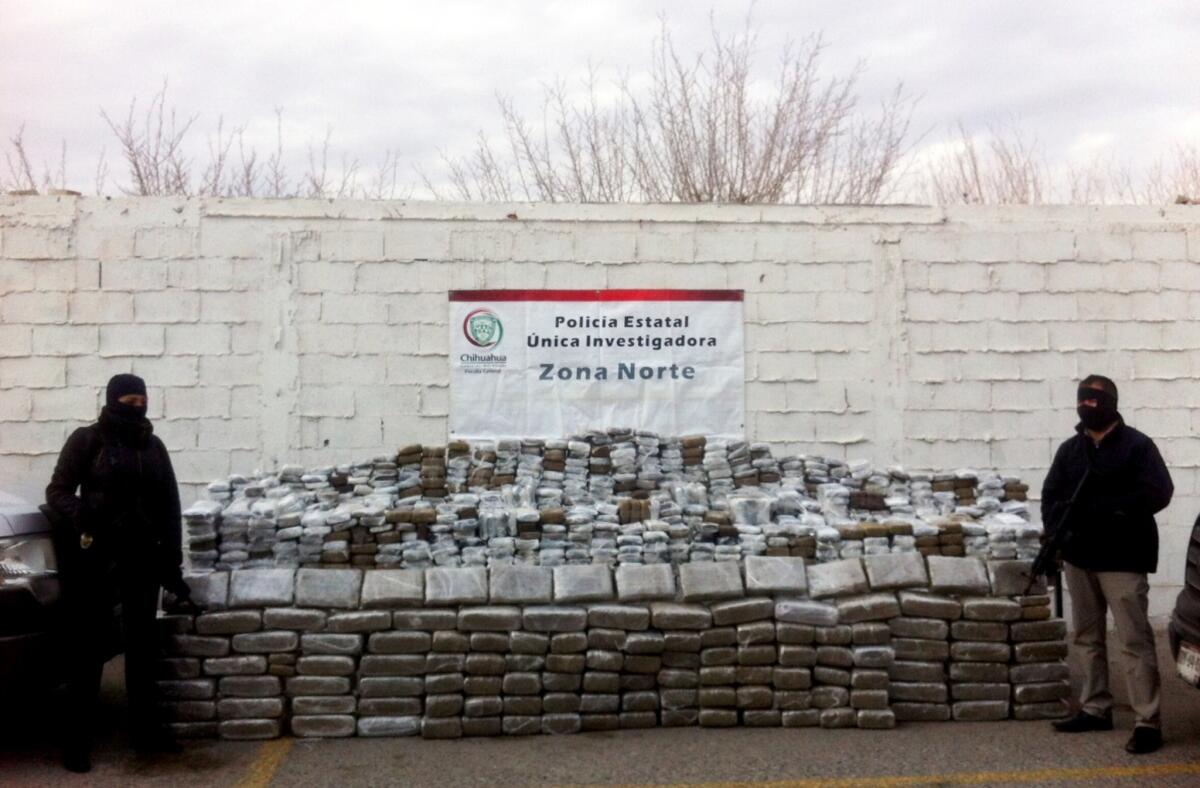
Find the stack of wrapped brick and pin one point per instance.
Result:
(467, 651)
(615, 497)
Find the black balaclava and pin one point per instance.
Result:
(1100, 416)
(119, 386)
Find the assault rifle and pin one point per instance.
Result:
(1045, 564)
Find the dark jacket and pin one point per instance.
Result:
(128, 499)
(1111, 527)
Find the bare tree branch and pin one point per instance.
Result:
(1005, 168)
(20, 172)
(701, 131)
(153, 152)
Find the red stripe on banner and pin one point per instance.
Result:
(597, 295)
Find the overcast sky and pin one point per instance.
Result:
(1083, 77)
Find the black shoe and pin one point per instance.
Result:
(78, 761)
(1083, 723)
(1144, 739)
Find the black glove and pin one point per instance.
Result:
(180, 599)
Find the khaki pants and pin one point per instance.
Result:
(1126, 594)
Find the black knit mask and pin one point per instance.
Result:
(118, 387)
(1103, 414)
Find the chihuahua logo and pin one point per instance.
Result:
(483, 328)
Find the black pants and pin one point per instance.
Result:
(89, 641)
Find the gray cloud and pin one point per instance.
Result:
(418, 77)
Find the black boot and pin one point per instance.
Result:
(1083, 723)
(1144, 740)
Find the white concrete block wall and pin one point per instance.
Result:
(316, 330)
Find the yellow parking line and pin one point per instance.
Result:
(270, 756)
(959, 778)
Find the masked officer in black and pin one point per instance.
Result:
(1111, 546)
(116, 506)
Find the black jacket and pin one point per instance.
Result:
(1111, 527)
(128, 499)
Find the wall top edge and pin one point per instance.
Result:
(518, 212)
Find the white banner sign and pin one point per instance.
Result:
(552, 363)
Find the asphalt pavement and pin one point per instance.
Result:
(999, 753)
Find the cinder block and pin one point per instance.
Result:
(37, 243)
(190, 340)
(482, 245)
(131, 340)
(417, 240)
(353, 308)
(234, 307)
(15, 341)
(600, 244)
(70, 404)
(165, 242)
(352, 245)
(33, 307)
(169, 371)
(33, 373)
(65, 340)
(166, 306)
(193, 402)
(241, 239)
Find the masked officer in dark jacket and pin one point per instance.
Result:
(121, 543)
(1111, 545)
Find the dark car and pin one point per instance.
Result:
(30, 613)
(1184, 629)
